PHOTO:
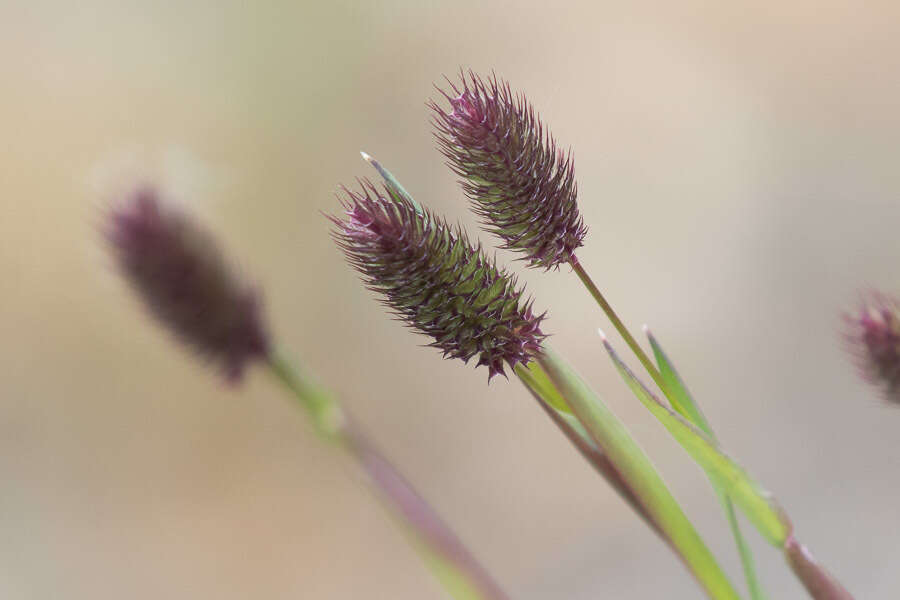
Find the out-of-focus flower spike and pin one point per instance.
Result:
(520, 182)
(176, 269)
(435, 280)
(873, 339)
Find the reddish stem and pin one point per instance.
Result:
(417, 513)
(602, 464)
(817, 581)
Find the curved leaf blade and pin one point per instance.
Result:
(538, 383)
(683, 402)
(757, 504)
(629, 459)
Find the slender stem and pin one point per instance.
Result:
(818, 582)
(638, 472)
(747, 562)
(753, 584)
(457, 569)
(617, 323)
(578, 436)
(324, 410)
(454, 565)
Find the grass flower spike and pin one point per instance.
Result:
(437, 281)
(523, 187)
(520, 182)
(874, 339)
(178, 272)
(430, 273)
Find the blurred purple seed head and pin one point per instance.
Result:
(874, 340)
(176, 269)
(433, 278)
(519, 181)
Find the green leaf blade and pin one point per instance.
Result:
(747, 562)
(542, 389)
(756, 503)
(640, 474)
(683, 402)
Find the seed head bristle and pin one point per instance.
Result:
(436, 281)
(519, 181)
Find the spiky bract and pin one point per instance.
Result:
(874, 340)
(436, 281)
(520, 182)
(178, 272)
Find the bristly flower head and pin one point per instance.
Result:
(435, 280)
(520, 183)
(176, 269)
(874, 340)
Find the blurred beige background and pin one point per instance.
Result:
(737, 165)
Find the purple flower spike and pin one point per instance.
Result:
(519, 181)
(176, 269)
(874, 340)
(436, 281)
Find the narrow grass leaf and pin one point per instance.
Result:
(548, 397)
(683, 402)
(640, 474)
(757, 504)
(679, 396)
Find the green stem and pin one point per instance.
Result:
(617, 322)
(747, 562)
(640, 475)
(449, 560)
(536, 381)
(820, 584)
(326, 414)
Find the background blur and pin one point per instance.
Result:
(737, 166)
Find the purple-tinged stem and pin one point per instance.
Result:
(598, 459)
(417, 514)
(817, 581)
(432, 535)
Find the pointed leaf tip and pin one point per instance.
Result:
(611, 436)
(757, 504)
(682, 402)
(392, 182)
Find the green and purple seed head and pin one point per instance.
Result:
(519, 181)
(177, 270)
(436, 281)
(873, 336)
